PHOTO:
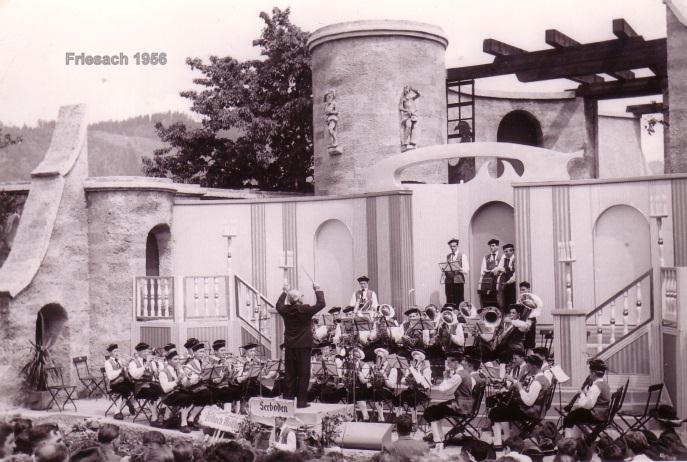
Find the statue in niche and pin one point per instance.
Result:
(331, 115)
(407, 108)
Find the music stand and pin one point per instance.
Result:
(254, 371)
(449, 269)
(273, 365)
(399, 362)
(328, 320)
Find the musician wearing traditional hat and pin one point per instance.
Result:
(384, 382)
(454, 280)
(528, 399)
(487, 287)
(362, 386)
(364, 300)
(249, 377)
(450, 337)
(506, 278)
(535, 303)
(120, 383)
(224, 388)
(328, 388)
(146, 386)
(383, 330)
(462, 384)
(172, 376)
(412, 331)
(591, 405)
(417, 380)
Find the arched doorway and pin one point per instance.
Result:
(50, 326)
(158, 251)
(493, 220)
(334, 262)
(519, 127)
(622, 249)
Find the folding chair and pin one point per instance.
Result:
(463, 423)
(56, 386)
(528, 424)
(592, 431)
(92, 383)
(546, 339)
(638, 420)
(143, 403)
(113, 397)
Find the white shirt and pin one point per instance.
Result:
(135, 371)
(530, 396)
(497, 259)
(587, 399)
(291, 442)
(464, 266)
(367, 294)
(166, 384)
(511, 264)
(450, 384)
(110, 370)
(519, 457)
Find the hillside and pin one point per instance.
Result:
(114, 147)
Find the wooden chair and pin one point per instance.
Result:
(56, 387)
(94, 385)
(546, 339)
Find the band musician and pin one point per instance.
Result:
(527, 398)
(146, 386)
(417, 380)
(534, 302)
(450, 337)
(174, 394)
(328, 388)
(489, 274)
(412, 330)
(381, 335)
(120, 382)
(591, 404)
(225, 388)
(454, 281)
(506, 282)
(463, 383)
(364, 300)
(361, 373)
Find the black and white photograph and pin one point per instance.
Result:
(301, 231)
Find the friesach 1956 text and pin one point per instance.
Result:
(121, 59)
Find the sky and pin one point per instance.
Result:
(35, 36)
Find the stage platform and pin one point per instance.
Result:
(313, 415)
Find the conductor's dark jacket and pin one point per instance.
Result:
(298, 321)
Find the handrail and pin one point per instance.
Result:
(608, 347)
(252, 329)
(621, 291)
(253, 289)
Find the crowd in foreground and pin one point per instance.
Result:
(22, 440)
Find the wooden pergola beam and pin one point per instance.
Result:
(623, 30)
(639, 110)
(641, 86)
(497, 48)
(558, 40)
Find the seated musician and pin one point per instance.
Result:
(339, 335)
(592, 403)
(384, 382)
(417, 381)
(120, 384)
(381, 336)
(145, 383)
(534, 302)
(412, 331)
(362, 375)
(462, 383)
(511, 333)
(250, 383)
(465, 311)
(450, 337)
(324, 333)
(173, 393)
(364, 300)
(518, 369)
(543, 353)
(196, 382)
(328, 389)
(224, 388)
(525, 402)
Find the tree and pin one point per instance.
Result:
(8, 140)
(256, 118)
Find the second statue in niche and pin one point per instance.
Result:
(407, 108)
(331, 115)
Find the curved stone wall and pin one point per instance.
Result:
(368, 63)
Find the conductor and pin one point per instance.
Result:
(298, 341)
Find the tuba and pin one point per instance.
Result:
(489, 323)
(431, 312)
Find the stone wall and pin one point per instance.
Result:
(676, 99)
(368, 63)
(121, 214)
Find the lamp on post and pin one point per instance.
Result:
(286, 264)
(658, 209)
(566, 254)
(229, 233)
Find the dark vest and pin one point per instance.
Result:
(600, 409)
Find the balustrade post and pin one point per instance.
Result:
(626, 314)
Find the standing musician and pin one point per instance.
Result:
(120, 383)
(364, 300)
(417, 381)
(384, 381)
(454, 282)
(381, 336)
(362, 382)
(591, 404)
(174, 394)
(146, 386)
(533, 301)
(463, 383)
(328, 389)
(489, 274)
(526, 400)
(506, 282)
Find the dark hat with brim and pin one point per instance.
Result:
(363, 279)
(493, 241)
(410, 311)
(518, 351)
(169, 346)
(508, 246)
(249, 346)
(217, 344)
(142, 346)
(112, 347)
(335, 310)
(453, 240)
(190, 342)
(171, 354)
(197, 346)
(534, 360)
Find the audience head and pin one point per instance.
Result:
(161, 453)
(153, 437)
(636, 442)
(183, 452)
(515, 444)
(564, 458)
(404, 425)
(108, 433)
(44, 433)
(228, 451)
(567, 446)
(508, 459)
(20, 424)
(612, 453)
(51, 452)
(6, 439)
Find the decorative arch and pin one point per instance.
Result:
(622, 249)
(494, 219)
(334, 269)
(50, 324)
(520, 127)
(158, 251)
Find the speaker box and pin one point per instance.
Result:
(364, 435)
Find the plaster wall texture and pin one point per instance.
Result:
(620, 150)
(62, 278)
(368, 73)
(118, 224)
(676, 145)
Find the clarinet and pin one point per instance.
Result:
(587, 383)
